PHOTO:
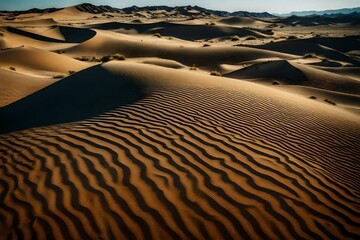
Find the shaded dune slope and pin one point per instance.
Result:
(70, 34)
(103, 44)
(296, 74)
(79, 96)
(196, 158)
(242, 21)
(181, 30)
(332, 48)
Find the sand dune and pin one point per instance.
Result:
(184, 163)
(14, 85)
(68, 34)
(332, 48)
(295, 74)
(105, 44)
(26, 58)
(243, 21)
(154, 147)
(181, 30)
(36, 22)
(348, 101)
(69, 13)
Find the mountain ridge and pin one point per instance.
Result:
(94, 9)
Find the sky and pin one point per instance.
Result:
(271, 6)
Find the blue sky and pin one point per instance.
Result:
(272, 6)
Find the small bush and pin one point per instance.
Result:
(193, 68)
(292, 37)
(119, 57)
(275, 83)
(12, 68)
(212, 24)
(235, 38)
(215, 73)
(206, 45)
(310, 55)
(71, 72)
(312, 97)
(330, 102)
(88, 59)
(106, 59)
(250, 38)
(157, 35)
(59, 76)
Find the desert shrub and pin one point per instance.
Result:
(330, 102)
(94, 59)
(215, 73)
(212, 24)
(235, 38)
(250, 38)
(83, 58)
(292, 37)
(275, 83)
(157, 35)
(60, 51)
(119, 57)
(71, 72)
(206, 45)
(12, 68)
(312, 97)
(106, 58)
(310, 55)
(59, 76)
(193, 68)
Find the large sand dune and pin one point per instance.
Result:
(297, 74)
(154, 147)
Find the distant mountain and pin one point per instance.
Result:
(328, 12)
(326, 19)
(180, 10)
(90, 8)
(34, 10)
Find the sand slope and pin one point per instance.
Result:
(332, 48)
(181, 30)
(183, 163)
(104, 44)
(14, 85)
(36, 59)
(296, 74)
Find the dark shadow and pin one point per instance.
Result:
(77, 97)
(71, 35)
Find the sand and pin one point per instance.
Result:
(154, 147)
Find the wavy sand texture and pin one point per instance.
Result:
(197, 158)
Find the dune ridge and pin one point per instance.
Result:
(296, 74)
